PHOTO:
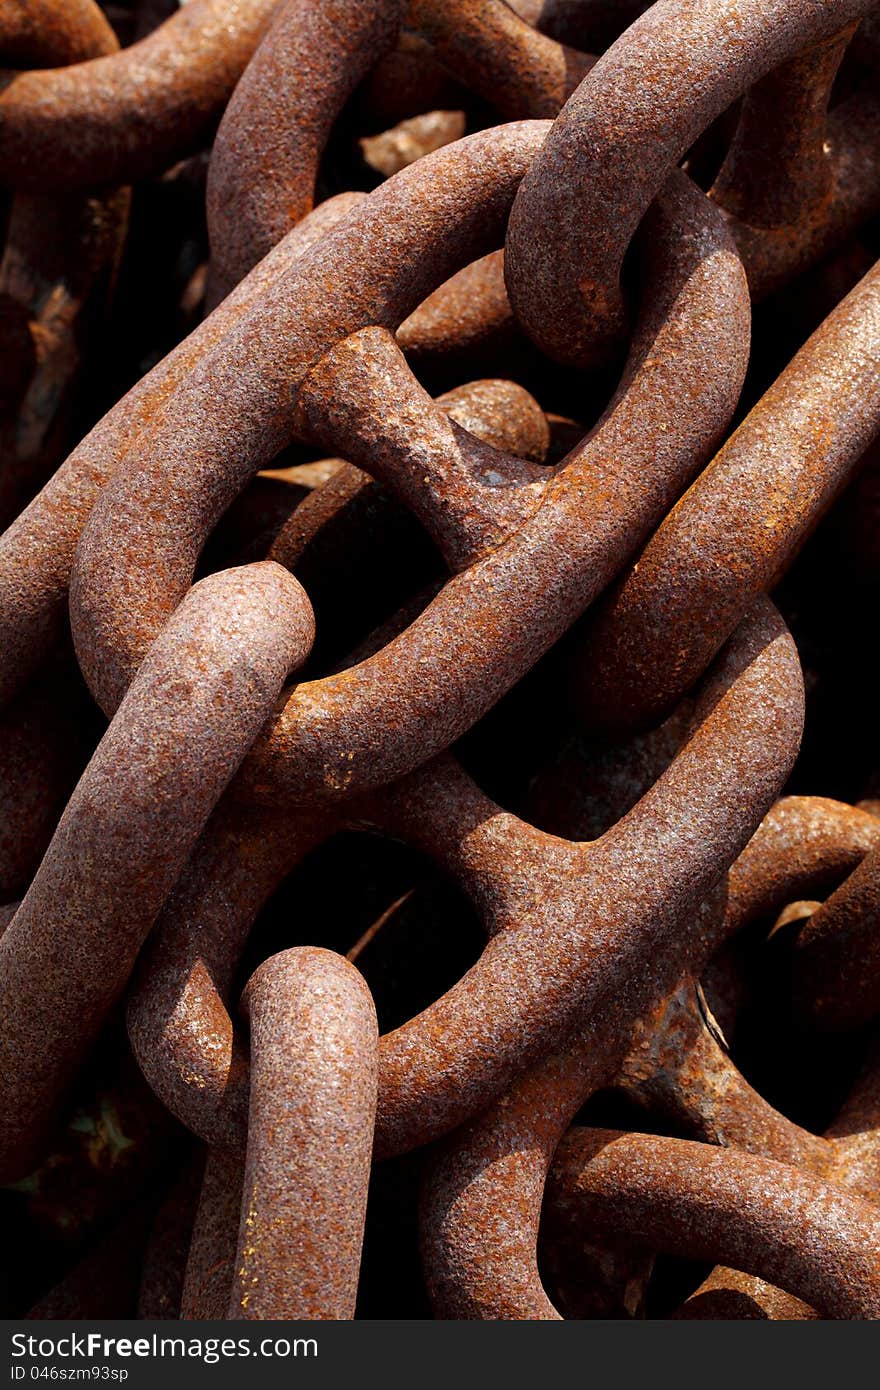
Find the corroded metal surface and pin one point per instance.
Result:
(739, 527)
(310, 1136)
(265, 158)
(59, 258)
(836, 960)
(186, 723)
(625, 135)
(133, 112)
(692, 1199)
(403, 670)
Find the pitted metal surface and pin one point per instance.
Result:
(436, 550)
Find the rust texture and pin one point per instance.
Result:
(59, 258)
(740, 525)
(133, 112)
(310, 1137)
(439, 769)
(214, 677)
(690, 1198)
(625, 135)
(265, 159)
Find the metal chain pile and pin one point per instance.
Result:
(438, 454)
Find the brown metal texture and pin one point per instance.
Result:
(303, 1189)
(377, 227)
(468, 320)
(740, 525)
(377, 720)
(319, 872)
(499, 413)
(181, 731)
(357, 551)
(556, 945)
(266, 155)
(698, 1087)
(395, 149)
(678, 1066)
(488, 47)
(178, 1021)
(37, 550)
(554, 950)
(619, 136)
(483, 1190)
(844, 161)
(695, 1199)
(178, 1016)
(836, 953)
(261, 179)
(38, 33)
(59, 256)
(794, 189)
(133, 112)
(310, 1137)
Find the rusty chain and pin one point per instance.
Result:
(439, 836)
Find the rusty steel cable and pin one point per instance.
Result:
(437, 508)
